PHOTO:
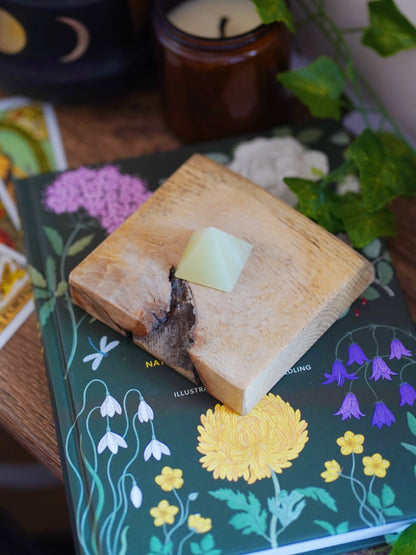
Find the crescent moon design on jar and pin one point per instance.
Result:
(82, 36)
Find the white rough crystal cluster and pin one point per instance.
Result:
(267, 161)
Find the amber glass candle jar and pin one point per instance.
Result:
(213, 87)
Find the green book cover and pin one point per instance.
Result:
(154, 465)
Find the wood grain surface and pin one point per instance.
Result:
(128, 126)
(296, 282)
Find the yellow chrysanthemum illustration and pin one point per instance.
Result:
(163, 513)
(249, 446)
(351, 443)
(170, 478)
(198, 524)
(375, 465)
(332, 472)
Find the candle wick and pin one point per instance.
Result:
(223, 23)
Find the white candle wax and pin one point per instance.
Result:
(202, 18)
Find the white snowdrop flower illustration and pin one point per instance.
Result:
(136, 496)
(111, 440)
(156, 449)
(100, 353)
(144, 411)
(110, 406)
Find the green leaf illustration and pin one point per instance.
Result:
(37, 278)
(327, 526)
(51, 273)
(41, 293)
(387, 496)
(392, 511)
(320, 86)
(406, 542)
(283, 131)
(340, 138)
(96, 480)
(195, 548)
(288, 507)
(46, 310)
(159, 548)
(371, 294)
(275, 10)
(205, 547)
(373, 249)
(124, 543)
(389, 31)
(409, 447)
(411, 422)
(252, 518)
(343, 527)
(61, 289)
(54, 239)
(80, 245)
(374, 501)
(385, 272)
(319, 494)
(310, 135)
(384, 173)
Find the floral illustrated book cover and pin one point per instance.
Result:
(153, 465)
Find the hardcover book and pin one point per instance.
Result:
(325, 462)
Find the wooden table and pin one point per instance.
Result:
(130, 125)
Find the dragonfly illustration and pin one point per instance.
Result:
(100, 353)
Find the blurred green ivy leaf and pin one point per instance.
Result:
(389, 30)
(271, 11)
(361, 225)
(315, 202)
(384, 173)
(320, 86)
(406, 542)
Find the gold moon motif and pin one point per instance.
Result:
(83, 39)
(12, 34)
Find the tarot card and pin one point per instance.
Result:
(30, 143)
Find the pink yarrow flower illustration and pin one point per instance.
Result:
(356, 354)
(397, 350)
(381, 370)
(104, 193)
(339, 374)
(382, 415)
(349, 408)
(407, 394)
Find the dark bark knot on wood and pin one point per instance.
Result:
(173, 334)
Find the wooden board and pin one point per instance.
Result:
(297, 281)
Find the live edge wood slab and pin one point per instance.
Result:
(297, 280)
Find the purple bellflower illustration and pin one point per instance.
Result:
(407, 394)
(339, 374)
(381, 370)
(349, 407)
(356, 354)
(397, 349)
(382, 415)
